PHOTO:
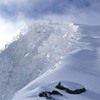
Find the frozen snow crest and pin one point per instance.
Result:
(63, 39)
(75, 27)
(75, 52)
(41, 47)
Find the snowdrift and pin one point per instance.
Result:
(50, 53)
(39, 48)
(78, 69)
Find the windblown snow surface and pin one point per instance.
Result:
(52, 53)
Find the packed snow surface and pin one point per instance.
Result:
(36, 50)
(79, 68)
(65, 53)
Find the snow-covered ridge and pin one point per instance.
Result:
(41, 47)
(79, 68)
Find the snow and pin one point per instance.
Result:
(77, 69)
(36, 50)
(48, 54)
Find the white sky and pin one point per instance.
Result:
(9, 29)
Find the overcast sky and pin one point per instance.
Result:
(17, 14)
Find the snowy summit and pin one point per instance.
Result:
(62, 61)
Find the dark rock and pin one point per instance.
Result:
(46, 94)
(59, 86)
(76, 91)
(54, 92)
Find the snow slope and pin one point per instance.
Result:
(39, 48)
(78, 68)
